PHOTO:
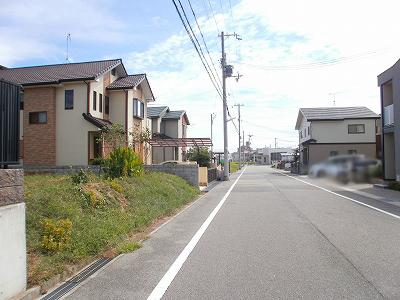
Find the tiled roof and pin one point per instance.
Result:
(337, 113)
(127, 82)
(50, 74)
(100, 123)
(156, 111)
(174, 114)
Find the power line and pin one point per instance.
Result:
(212, 12)
(204, 41)
(195, 46)
(198, 43)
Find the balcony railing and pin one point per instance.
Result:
(388, 115)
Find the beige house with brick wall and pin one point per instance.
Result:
(66, 105)
(330, 131)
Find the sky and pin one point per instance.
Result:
(291, 54)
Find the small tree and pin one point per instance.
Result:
(113, 135)
(199, 154)
(141, 137)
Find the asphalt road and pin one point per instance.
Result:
(274, 237)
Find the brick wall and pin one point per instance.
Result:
(40, 139)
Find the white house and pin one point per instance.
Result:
(329, 131)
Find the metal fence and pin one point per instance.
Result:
(10, 98)
(212, 174)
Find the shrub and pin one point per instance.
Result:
(116, 186)
(56, 234)
(98, 161)
(80, 177)
(377, 171)
(394, 185)
(122, 161)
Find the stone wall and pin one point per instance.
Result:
(188, 172)
(12, 234)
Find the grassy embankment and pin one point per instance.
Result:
(233, 166)
(106, 216)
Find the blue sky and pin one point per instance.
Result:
(282, 41)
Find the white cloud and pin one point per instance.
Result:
(280, 33)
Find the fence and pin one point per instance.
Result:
(10, 97)
(212, 174)
(188, 172)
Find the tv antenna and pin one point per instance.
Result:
(68, 42)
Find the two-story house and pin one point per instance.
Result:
(168, 124)
(389, 84)
(330, 131)
(66, 105)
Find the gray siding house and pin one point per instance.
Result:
(166, 124)
(329, 131)
(389, 84)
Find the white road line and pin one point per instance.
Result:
(173, 270)
(345, 197)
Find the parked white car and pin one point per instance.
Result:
(337, 167)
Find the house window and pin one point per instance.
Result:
(138, 108)
(352, 151)
(100, 103)
(38, 117)
(113, 72)
(356, 128)
(333, 153)
(94, 100)
(308, 130)
(106, 105)
(69, 99)
(301, 134)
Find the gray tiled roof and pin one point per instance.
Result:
(156, 111)
(176, 114)
(50, 74)
(127, 82)
(338, 113)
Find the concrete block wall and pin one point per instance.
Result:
(188, 172)
(12, 234)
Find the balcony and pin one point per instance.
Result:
(388, 115)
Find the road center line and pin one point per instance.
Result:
(173, 270)
(345, 197)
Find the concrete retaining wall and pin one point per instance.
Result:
(188, 172)
(12, 234)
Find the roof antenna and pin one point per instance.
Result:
(68, 42)
(334, 98)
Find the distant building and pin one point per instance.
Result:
(267, 155)
(168, 124)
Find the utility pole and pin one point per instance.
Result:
(275, 143)
(213, 116)
(238, 106)
(244, 157)
(226, 72)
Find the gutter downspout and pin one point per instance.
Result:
(88, 111)
(383, 135)
(126, 117)
(88, 96)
